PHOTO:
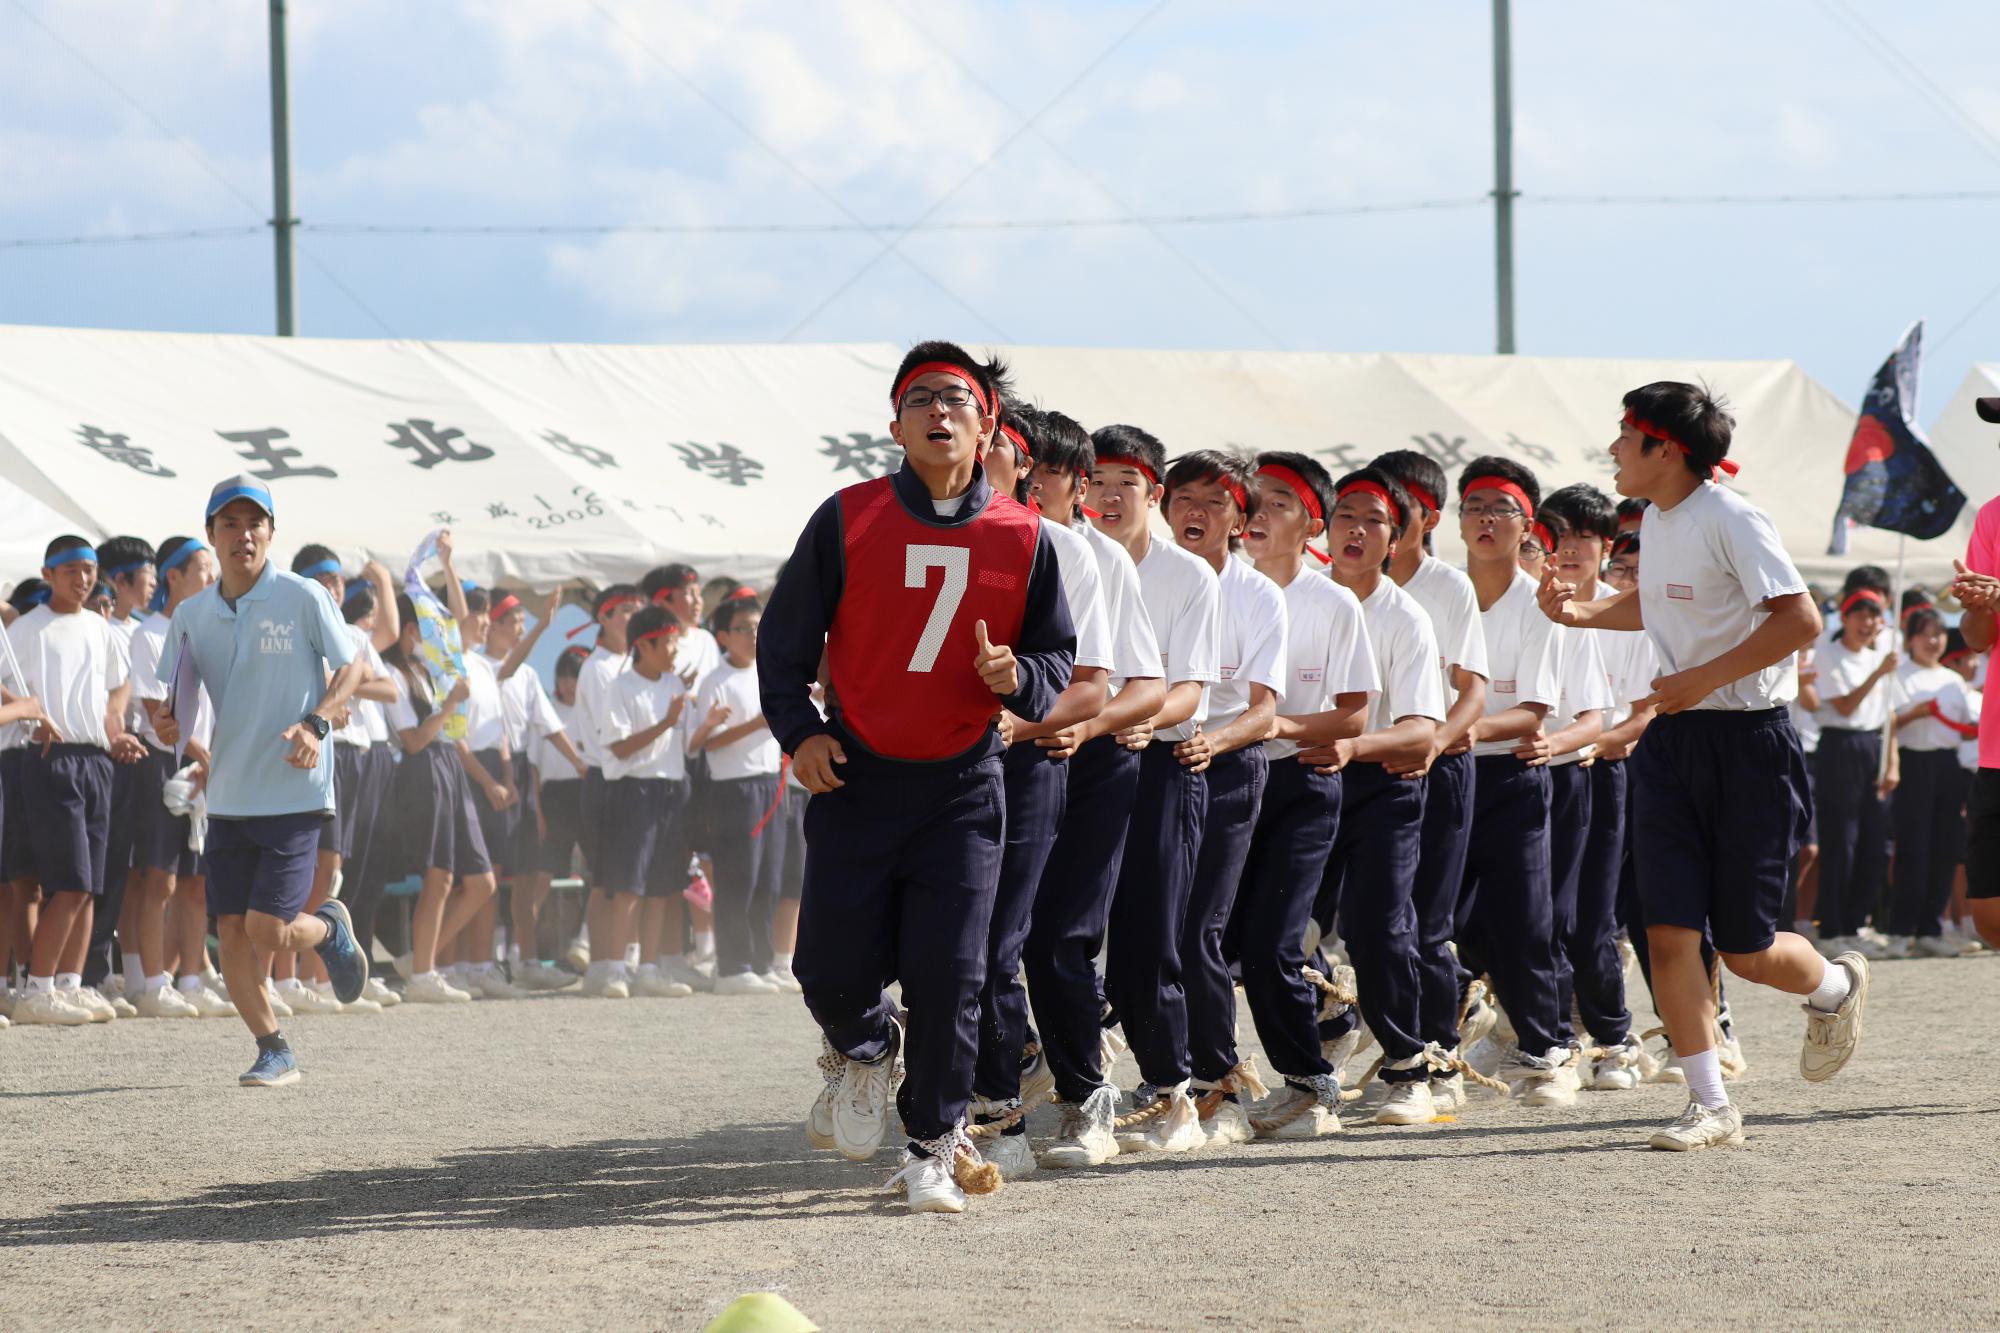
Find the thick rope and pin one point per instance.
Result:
(1153, 1110)
(1299, 1108)
(1242, 1078)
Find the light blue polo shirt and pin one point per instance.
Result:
(264, 662)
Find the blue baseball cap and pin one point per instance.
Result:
(240, 487)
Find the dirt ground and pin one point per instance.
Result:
(570, 1163)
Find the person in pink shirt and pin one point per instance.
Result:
(1977, 588)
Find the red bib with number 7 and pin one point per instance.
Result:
(901, 647)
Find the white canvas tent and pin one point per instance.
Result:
(595, 462)
(1969, 448)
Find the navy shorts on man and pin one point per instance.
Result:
(66, 807)
(263, 863)
(1723, 815)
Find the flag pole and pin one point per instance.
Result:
(1895, 636)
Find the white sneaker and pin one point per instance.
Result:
(305, 1000)
(861, 1103)
(1617, 1070)
(651, 984)
(1701, 1127)
(1831, 1039)
(432, 988)
(1448, 1094)
(1865, 946)
(928, 1185)
(1659, 1064)
(1729, 1056)
(1010, 1152)
(91, 1001)
(744, 983)
(207, 1003)
(782, 978)
(360, 1004)
(120, 1006)
(165, 1002)
(213, 980)
(1339, 1051)
(50, 1007)
(7, 1000)
(1086, 1137)
(279, 1009)
(1407, 1104)
(1229, 1124)
(618, 986)
(1177, 1130)
(1486, 1055)
(577, 955)
(1897, 946)
(5, 1022)
(493, 984)
(1295, 1112)
(379, 991)
(1548, 1080)
(1935, 946)
(681, 970)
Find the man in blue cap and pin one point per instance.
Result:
(262, 643)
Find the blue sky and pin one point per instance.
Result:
(878, 112)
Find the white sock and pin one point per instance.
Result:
(631, 955)
(780, 962)
(69, 981)
(583, 935)
(1833, 989)
(41, 985)
(158, 980)
(513, 953)
(1704, 1077)
(191, 982)
(135, 974)
(704, 941)
(427, 976)
(289, 983)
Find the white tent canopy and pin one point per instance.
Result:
(596, 462)
(1969, 448)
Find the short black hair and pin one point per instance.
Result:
(1919, 619)
(1208, 465)
(1696, 416)
(667, 578)
(611, 593)
(120, 557)
(1625, 543)
(569, 662)
(1399, 499)
(1954, 642)
(1632, 509)
(1317, 479)
(360, 600)
(730, 610)
(28, 594)
(1023, 421)
(1865, 576)
(312, 553)
(1580, 508)
(170, 548)
(645, 621)
(1507, 470)
(1411, 468)
(476, 601)
(1064, 443)
(67, 542)
(1130, 442)
(937, 349)
(1917, 596)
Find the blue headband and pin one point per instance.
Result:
(71, 556)
(122, 570)
(318, 568)
(182, 554)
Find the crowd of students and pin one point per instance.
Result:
(1068, 784)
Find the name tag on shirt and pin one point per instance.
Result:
(1312, 675)
(1229, 673)
(1503, 687)
(1680, 592)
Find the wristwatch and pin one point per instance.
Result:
(319, 725)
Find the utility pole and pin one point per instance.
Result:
(282, 220)
(1503, 179)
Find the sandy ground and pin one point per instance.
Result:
(561, 1162)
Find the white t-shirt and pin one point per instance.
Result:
(1939, 684)
(1405, 658)
(149, 642)
(122, 632)
(1803, 720)
(699, 650)
(632, 705)
(356, 732)
(1135, 653)
(526, 710)
(1327, 651)
(756, 755)
(1252, 625)
(1183, 599)
(1524, 653)
(1968, 749)
(1447, 597)
(547, 759)
(1841, 671)
(593, 688)
(1712, 561)
(485, 725)
(1083, 589)
(401, 713)
(72, 663)
(1586, 685)
(1630, 666)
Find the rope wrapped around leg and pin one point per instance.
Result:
(1323, 1090)
(1241, 1078)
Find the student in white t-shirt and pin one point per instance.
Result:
(1207, 506)
(679, 589)
(1073, 900)
(128, 573)
(1932, 716)
(1720, 768)
(612, 610)
(1857, 664)
(1182, 597)
(74, 665)
(1449, 777)
(1035, 780)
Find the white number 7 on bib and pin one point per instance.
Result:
(956, 562)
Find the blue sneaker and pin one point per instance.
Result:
(274, 1069)
(346, 965)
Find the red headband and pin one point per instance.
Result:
(741, 594)
(664, 631)
(1374, 488)
(597, 617)
(1126, 460)
(959, 373)
(1297, 483)
(1725, 468)
(1504, 486)
(1909, 611)
(1020, 445)
(504, 605)
(1862, 595)
(1421, 496)
(1540, 531)
(1233, 487)
(1957, 652)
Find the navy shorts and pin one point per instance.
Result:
(67, 811)
(159, 836)
(1982, 835)
(562, 826)
(16, 857)
(645, 837)
(263, 864)
(501, 829)
(590, 822)
(1721, 812)
(118, 848)
(441, 827)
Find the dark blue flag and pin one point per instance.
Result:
(1894, 481)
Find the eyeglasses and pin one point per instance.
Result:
(950, 396)
(1497, 514)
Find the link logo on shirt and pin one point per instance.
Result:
(1680, 592)
(274, 636)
